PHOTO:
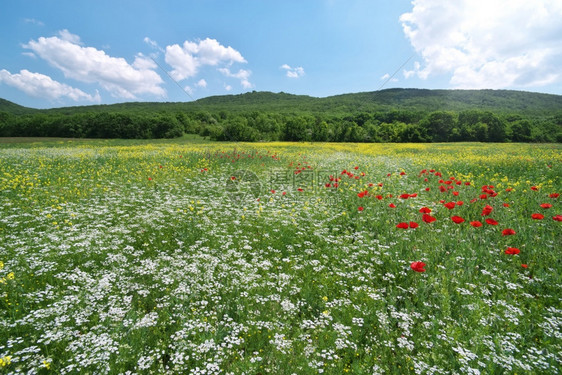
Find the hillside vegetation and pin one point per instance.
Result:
(393, 115)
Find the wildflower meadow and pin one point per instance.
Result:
(129, 257)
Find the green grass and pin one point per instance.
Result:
(148, 257)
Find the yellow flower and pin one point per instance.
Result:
(325, 298)
(1, 264)
(5, 361)
(10, 276)
(47, 365)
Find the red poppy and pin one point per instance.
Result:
(450, 205)
(402, 173)
(512, 251)
(508, 232)
(425, 210)
(392, 205)
(487, 210)
(546, 205)
(413, 195)
(426, 189)
(524, 265)
(476, 224)
(356, 168)
(360, 208)
(509, 189)
(272, 191)
(418, 266)
(473, 200)
(361, 194)
(428, 218)
(402, 225)
(554, 195)
(457, 219)
(483, 196)
(456, 193)
(379, 197)
(442, 188)
(537, 216)
(300, 189)
(284, 193)
(460, 203)
(405, 196)
(557, 218)
(150, 179)
(491, 222)
(506, 204)
(534, 188)
(413, 224)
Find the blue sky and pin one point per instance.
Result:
(64, 53)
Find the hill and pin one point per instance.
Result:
(498, 101)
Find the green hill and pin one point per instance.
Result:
(498, 101)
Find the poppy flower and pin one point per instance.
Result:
(534, 188)
(360, 208)
(413, 224)
(456, 193)
(428, 218)
(300, 189)
(557, 218)
(356, 168)
(459, 203)
(418, 266)
(361, 194)
(426, 189)
(483, 196)
(537, 216)
(272, 191)
(392, 205)
(405, 196)
(425, 210)
(473, 200)
(546, 205)
(487, 210)
(491, 222)
(402, 225)
(509, 189)
(457, 219)
(524, 265)
(402, 173)
(512, 251)
(450, 205)
(554, 195)
(379, 197)
(508, 232)
(476, 224)
(150, 179)
(506, 204)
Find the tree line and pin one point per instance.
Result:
(251, 126)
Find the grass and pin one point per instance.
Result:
(195, 257)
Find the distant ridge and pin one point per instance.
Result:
(424, 100)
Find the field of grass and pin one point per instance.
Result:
(219, 258)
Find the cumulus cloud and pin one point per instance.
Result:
(293, 72)
(42, 86)
(243, 75)
(487, 43)
(186, 60)
(201, 83)
(88, 64)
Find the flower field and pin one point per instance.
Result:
(280, 258)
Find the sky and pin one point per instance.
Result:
(58, 53)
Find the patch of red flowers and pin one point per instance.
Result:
(537, 216)
(450, 205)
(512, 251)
(557, 218)
(508, 232)
(457, 219)
(487, 210)
(546, 205)
(418, 266)
(428, 218)
(425, 210)
(491, 222)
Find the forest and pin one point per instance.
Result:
(394, 115)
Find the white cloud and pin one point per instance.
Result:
(487, 43)
(42, 86)
(186, 60)
(227, 87)
(243, 75)
(69, 37)
(88, 64)
(33, 21)
(201, 83)
(293, 72)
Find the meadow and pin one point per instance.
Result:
(185, 257)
